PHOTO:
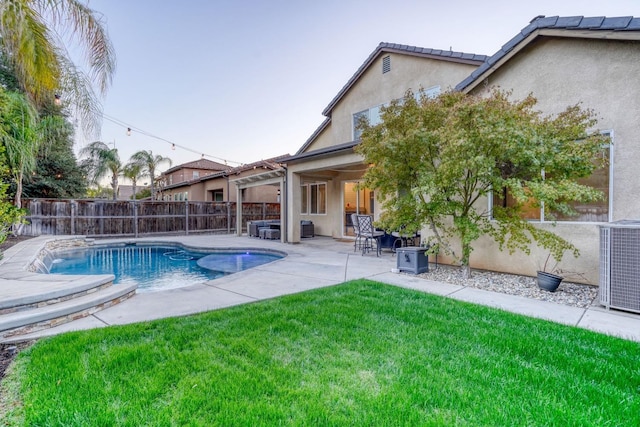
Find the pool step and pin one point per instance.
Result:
(44, 303)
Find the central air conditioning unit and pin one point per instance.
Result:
(620, 265)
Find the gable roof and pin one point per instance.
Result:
(203, 164)
(568, 26)
(444, 55)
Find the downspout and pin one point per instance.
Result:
(286, 203)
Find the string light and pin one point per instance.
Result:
(130, 128)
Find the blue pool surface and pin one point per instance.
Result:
(156, 267)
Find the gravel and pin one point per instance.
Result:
(572, 294)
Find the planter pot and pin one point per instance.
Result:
(548, 282)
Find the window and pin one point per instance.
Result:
(196, 174)
(432, 92)
(371, 115)
(314, 199)
(217, 196)
(595, 211)
(304, 209)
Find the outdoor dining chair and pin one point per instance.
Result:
(356, 230)
(370, 235)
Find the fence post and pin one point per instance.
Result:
(101, 210)
(186, 219)
(135, 218)
(228, 218)
(73, 217)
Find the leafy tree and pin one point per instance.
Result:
(100, 162)
(143, 194)
(150, 164)
(31, 44)
(10, 215)
(57, 173)
(433, 160)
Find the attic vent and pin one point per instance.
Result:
(386, 64)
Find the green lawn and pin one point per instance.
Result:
(361, 353)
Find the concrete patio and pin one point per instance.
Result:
(315, 263)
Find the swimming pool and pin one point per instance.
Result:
(158, 266)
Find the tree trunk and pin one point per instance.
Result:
(18, 199)
(114, 186)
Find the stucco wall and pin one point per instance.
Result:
(598, 74)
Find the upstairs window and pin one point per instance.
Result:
(371, 115)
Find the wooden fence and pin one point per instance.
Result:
(106, 218)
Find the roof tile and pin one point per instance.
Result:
(591, 22)
(617, 23)
(568, 21)
(634, 25)
(547, 22)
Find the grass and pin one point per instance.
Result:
(361, 353)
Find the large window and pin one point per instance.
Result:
(314, 199)
(595, 211)
(371, 115)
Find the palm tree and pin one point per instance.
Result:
(19, 135)
(133, 171)
(31, 43)
(150, 164)
(100, 162)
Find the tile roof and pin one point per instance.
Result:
(581, 23)
(204, 164)
(446, 55)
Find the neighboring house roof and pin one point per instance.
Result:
(202, 164)
(568, 26)
(446, 55)
(270, 164)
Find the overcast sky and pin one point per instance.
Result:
(242, 81)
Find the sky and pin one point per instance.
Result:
(239, 81)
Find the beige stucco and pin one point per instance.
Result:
(598, 74)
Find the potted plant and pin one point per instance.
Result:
(548, 280)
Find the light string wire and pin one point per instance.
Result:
(132, 128)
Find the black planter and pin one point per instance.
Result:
(548, 282)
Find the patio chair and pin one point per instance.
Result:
(369, 234)
(356, 230)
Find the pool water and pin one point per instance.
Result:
(156, 267)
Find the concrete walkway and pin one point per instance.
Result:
(314, 263)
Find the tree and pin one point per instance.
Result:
(100, 162)
(434, 159)
(150, 164)
(133, 171)
(19, 135)
(31, 44)
(57, 173)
